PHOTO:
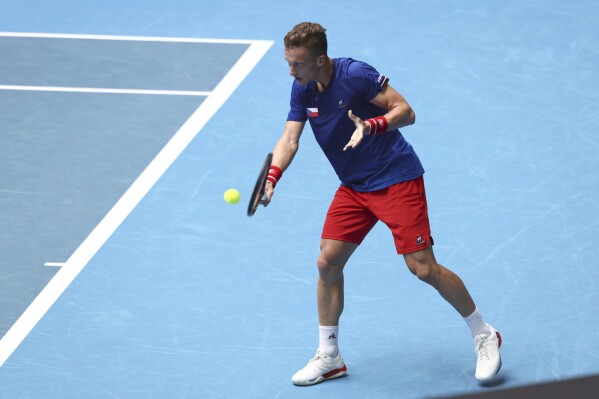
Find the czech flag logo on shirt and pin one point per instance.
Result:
(312, 112)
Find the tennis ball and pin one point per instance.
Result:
(232, 196)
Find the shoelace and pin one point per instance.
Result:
(480, 346)
(317, 357)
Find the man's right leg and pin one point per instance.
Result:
(333, 257)
(328, 363)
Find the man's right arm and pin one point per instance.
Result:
(285, 151)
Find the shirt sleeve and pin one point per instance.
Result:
(368, 81)
(297, 111)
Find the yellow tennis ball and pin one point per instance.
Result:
(232, 196)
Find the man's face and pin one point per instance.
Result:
(303, 64)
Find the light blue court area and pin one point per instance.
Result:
(124, 274)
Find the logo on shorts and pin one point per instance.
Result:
(419, 240)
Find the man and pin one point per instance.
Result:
(354, 115)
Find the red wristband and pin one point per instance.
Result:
(378, 125)
(274, 174)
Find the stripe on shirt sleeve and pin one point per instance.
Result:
(382, 80)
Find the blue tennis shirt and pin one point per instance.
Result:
(379, 161)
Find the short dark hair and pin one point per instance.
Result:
(307, 34)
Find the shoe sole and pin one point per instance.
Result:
(326, 376)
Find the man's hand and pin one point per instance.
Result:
(362, 129)
(268, 193)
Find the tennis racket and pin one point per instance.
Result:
(258, 192)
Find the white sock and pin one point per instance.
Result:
(477, 325)
(328, 339)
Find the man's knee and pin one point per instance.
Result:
(332, 259)
(425, 268)
(329, 268)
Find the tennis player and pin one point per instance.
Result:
(355, 116)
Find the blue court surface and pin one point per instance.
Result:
(124, 274)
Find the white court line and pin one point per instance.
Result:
(109, 91)
(96, 239)
(133, 38)
(55, 264)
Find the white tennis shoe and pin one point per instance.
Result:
(489, 361)
(320, 368)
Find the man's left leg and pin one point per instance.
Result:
(487, 340)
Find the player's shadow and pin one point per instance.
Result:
(394, 366)
(499, 380)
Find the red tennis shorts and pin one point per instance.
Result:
(402, 207)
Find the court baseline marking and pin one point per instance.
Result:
(103, 90)
(140, 187)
